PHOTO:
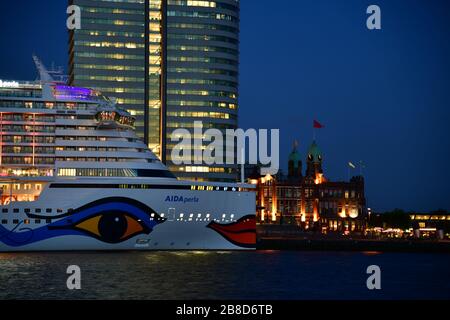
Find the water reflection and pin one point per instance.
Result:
(223, 275)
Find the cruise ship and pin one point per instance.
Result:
(75, 176)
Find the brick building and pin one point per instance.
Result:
(311, 200)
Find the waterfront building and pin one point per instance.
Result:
(168, 62)
(311, 201)
(434, 224)
(401, 224)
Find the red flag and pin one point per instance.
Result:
(318, 125)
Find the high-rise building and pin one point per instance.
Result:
(108, 53)
(168, 62)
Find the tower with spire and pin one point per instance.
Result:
(314, 171)
(295, 163)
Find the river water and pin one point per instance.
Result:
(257, 275)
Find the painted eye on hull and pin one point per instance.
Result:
(112, 227)
(110, 220)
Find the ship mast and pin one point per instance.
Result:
(45, 78)
(44, 75)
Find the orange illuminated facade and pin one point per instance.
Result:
(311, 201)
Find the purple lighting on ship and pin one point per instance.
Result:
(74, 93)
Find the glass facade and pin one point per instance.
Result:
(154, 89)
(108, 53)
(202, 73)
(185, 66)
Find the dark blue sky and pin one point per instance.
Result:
(384, 96)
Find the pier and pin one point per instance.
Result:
(289, 238)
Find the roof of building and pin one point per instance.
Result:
(314, 150)
(294, 155)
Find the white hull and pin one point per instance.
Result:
(187, 217)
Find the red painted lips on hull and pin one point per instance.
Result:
(241, 233)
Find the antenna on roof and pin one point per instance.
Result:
(46, 79)
(43, 72)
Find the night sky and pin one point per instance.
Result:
(384, 96)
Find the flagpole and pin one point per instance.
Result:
(316, 125)
(361, 168)
(352, 166)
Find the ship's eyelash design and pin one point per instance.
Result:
(111, 220)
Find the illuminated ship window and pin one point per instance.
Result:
(106, 116)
